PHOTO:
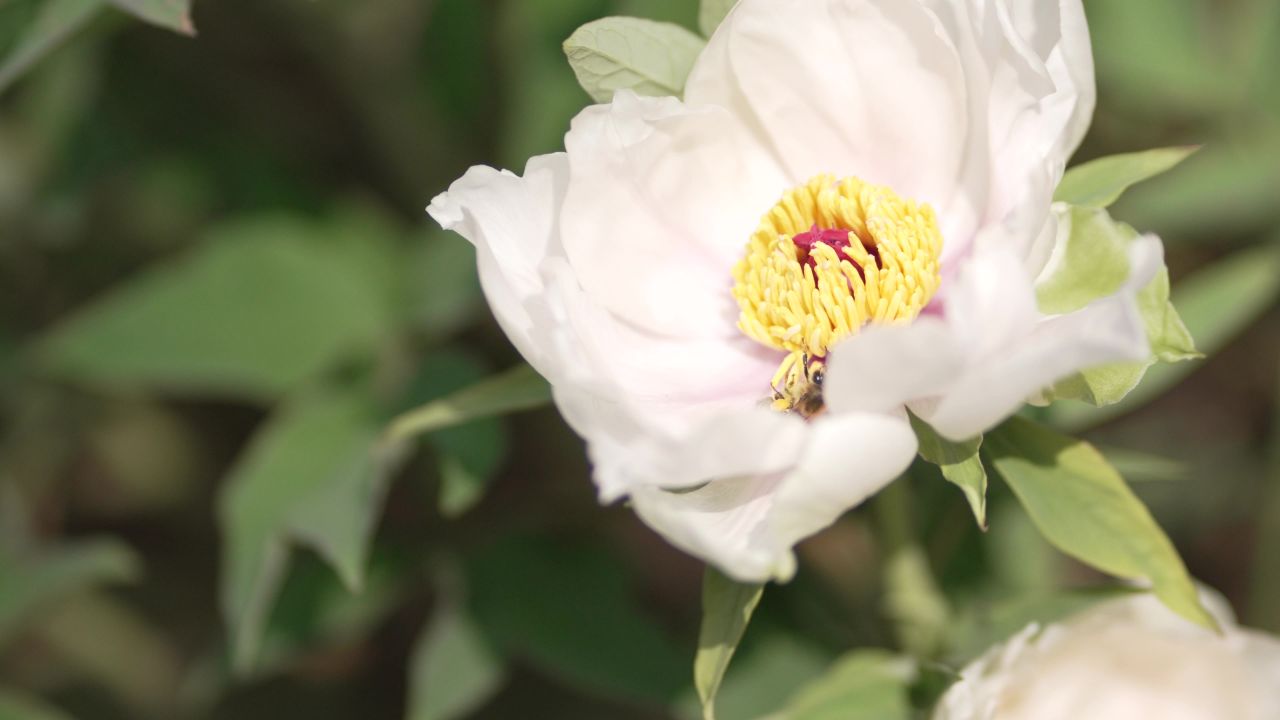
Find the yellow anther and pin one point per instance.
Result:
(831, 256)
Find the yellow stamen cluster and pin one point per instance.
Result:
(887, 274)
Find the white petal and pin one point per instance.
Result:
(748, 526)
(867, 88)
(1012, 361)
(513, 222)
(661, 202)
(849, 458)
(885, 367)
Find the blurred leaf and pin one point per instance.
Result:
(1217, 303)
(985, 624)
(622, 53)
(913, 603)
(453, 670)
(711, 13)
(1085, 509)
(15, 705)
(313, 475)
(1136, 466)
(91, 632)
(1099, 183)
(261, 307)
(173, 14)
(445, 291)
(520, 388)
(1230, 188)
(726, 610)
(863, 685)
(56, 21)
(960, 464)
(32, 580)
(773, 667)
(569, 609)
(470, 453)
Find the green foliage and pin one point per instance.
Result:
(711, 13)
(35, 579)
(1218, 303)
(173, 14)
(453, 669)
(315, 475)
(260, 308)
(622, 53)
(863, 685)
(960, 464)
(54, 23)
(1101, 182)
(1085, 509)
(570, 610)
(19, 706)
(520, 388)
(727, 607)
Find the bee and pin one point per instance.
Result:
(806, 399)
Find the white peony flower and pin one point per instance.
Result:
(1122, 660)
(744, 381)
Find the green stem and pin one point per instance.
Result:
(912, 601)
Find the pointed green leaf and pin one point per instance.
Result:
(1099, 183)
(711, 13)
(172, 14)
(261, 307)
(54, 23)
(960, 464)
(726, 610)
(1083, 506)
(623, 53)
(520, 388)
(314, 475)
(453, 670)
(863, 685)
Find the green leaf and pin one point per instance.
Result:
(1099, 183)
(1082, 506)
(863, 685)
(623, 53)
(55, 22)
(453, 670)
(960, 464)
(1217, 304)
(766, 674)
(912, 601)
(314, 475)
(260, 308)
(469, 453)
(569, 609)
(520, 388)
(711, 13)
(34, 579)
(15, 705)
(172, 14)
(444, 290)
(1092, 263)
(726, 610)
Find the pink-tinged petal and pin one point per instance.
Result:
(661, 201)
(870, 89)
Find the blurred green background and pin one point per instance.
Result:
(219, 284)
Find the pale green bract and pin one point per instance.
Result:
(453, 670)
(1094, 264)
(1083, 507)
(625, 53)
